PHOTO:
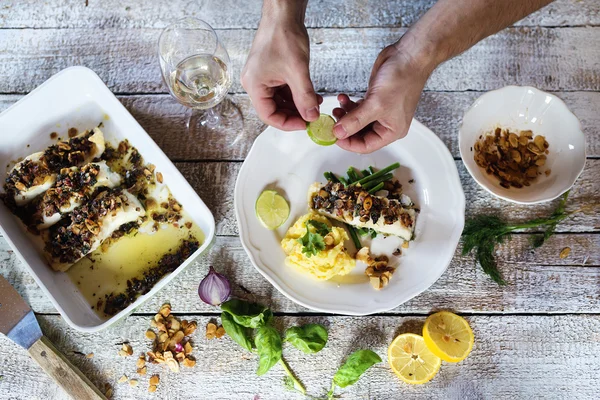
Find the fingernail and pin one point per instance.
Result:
(339, 131)
(313, 113)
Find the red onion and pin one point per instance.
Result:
(178, 348)
(214, 288)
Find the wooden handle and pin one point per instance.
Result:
(65, 374)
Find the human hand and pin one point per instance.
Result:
(385, 114)
(276, 75)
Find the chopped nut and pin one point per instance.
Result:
(150, 334)
(163, 337)
(173, 364)
(154, 380)
(220, 332)
(159, 177)
(188, 362)
(187, 348)
(133, 382)
(108, 393)
(90, 355)
(142, 370)
(123, 379)
(564, 253)
(405, 244)
(167, 355)
(165, 310)
(123, 353)
(328, 239)
(178, 337)
(141, 361)
(180, 356)
(191, 328)
(152, 388)
(127, 349)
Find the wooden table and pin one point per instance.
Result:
(539, 336)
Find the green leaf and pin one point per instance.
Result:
(238, 333)
(268, 347)
(250, 315)
(311, 242)
(356, 365)
(309, 338)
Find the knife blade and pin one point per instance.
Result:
(17, 320)
(18, 323)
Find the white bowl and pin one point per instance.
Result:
(77, 97)
(526, 108)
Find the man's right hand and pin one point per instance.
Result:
(276, 73)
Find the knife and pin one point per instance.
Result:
(18, 322)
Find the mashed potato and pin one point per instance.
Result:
(332, 261)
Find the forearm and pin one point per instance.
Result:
(284, 10)
(453, 26)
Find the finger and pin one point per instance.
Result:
(304, 96)
(355, 120)
(320, 99)
(346, 102)
(268, 112)
(363, 144)
(338, 113)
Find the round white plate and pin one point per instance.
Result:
(289, 162)
(526, 108)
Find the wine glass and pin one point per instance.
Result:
(195, 67)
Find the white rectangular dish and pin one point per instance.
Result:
(77, 97)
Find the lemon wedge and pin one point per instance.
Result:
(448, 336)
(411, 360)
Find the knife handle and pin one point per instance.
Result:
(65, 374)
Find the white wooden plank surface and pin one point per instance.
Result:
(514, 357)
(539, 281)
(245, 14)
(164, 119)
(341, 59)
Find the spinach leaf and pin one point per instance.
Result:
(238, 333)
(309, 338)
(356, 365)
(268, 347)
(250, 315)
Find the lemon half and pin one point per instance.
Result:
(448, 336)
(411, 360)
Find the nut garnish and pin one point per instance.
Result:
(142, 371)
(152, 388)
(377, 270)
(123, 379)
(154, 380)
(125, 350)
(89, 355)
(513, 159)
(133, 382)
(564, 253)
(159, 177)
(150, 334)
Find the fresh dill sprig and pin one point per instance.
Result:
(483, 232)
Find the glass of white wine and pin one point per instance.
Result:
(195, 67)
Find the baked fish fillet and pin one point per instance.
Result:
(37, 173)
(73, 186)
(84, 230)
(358, 208)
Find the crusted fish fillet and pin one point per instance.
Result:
(37, 173)
(358, 208)
(73, 186)
(88, 226)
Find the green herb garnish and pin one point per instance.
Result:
(351, 371)
(309, 338)
(312, 243)
(483, 232)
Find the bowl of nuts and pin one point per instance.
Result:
(522, 144)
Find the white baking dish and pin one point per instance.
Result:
(77, 97)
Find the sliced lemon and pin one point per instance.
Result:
(448, 336)
(411, 360)
(271, 209)
(321, 130)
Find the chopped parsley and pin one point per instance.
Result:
(312, 243)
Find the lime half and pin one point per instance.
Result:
(321, 130)
(271, 209)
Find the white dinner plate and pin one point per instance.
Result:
(289, 162)
(77, 97)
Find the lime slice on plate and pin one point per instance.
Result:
(321, 130)
(271, 209)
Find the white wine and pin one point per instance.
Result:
(200, 81)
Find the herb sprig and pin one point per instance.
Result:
(483, 232)
(313, 243)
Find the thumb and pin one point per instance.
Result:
(355, 120)
(304, 96)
